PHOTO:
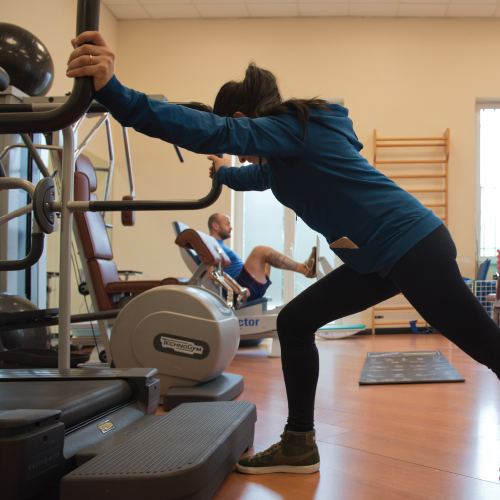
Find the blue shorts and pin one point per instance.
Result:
(257, 288)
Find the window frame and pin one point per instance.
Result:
(481, 103)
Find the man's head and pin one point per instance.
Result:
(219, 226)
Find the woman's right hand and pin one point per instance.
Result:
(95, 60)
(217, 163)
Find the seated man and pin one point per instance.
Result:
(254, 273)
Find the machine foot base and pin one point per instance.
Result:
(223, 388)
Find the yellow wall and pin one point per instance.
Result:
(404, 77)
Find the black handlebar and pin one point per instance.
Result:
(79, 100)
(150, 205)
(118, 206)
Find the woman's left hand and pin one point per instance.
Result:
(91, 57)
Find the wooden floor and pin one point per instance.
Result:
(419, 441)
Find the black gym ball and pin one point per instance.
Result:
(26, 59)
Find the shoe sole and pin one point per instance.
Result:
(289, 469)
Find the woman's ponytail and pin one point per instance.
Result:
(259, 95)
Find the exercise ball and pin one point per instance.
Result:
(26, 59)
(38, 337)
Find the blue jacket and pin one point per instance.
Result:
(323, 178)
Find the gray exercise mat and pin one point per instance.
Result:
(407, 367)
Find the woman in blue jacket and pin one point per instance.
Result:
(307, 153)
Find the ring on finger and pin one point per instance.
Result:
(91, 59)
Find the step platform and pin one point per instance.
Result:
(185, 454)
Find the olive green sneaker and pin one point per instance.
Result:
(296, 453)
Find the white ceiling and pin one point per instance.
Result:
(175, 9)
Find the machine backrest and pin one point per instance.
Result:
(94, 237)
(189, 256)
(207, 248)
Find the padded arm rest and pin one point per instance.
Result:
(135, 286)
(492, 297)
(207, 247)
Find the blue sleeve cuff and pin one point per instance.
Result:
(114, 96)
(221, 174)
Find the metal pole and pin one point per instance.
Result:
(68, 169)
(111, 163)
(34, 153)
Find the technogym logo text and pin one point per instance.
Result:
(181, 346)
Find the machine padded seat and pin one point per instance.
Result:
(138, 286)
(132, 286)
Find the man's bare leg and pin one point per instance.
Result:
(262, 258)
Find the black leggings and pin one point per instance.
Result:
(427, 275)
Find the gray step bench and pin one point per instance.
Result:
(186, 454)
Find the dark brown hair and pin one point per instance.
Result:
(259, 95)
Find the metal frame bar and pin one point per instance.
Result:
(20, 145)
(90, 135)
(16, 213)
(68, 169)
(111, 163)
